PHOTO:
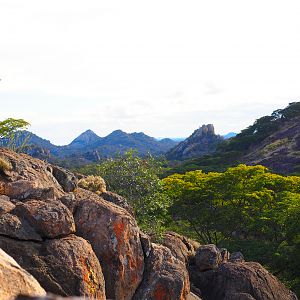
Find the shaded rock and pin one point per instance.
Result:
(207, 257)
(114, 236)
(65, 178)
(66, 266)
(118, 200)
(244, 279)
(181, 247)
(192, 296)
(146, 243)
(5, 204)
(51, 219)
(14, 280)
(238, 296)
(165, 277)
(69, 201)
(236, 257)
(224, 254)
(17, 228)
(28, 178)
(49, 297)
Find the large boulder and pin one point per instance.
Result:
(66, 266)
(65, 178)
(14, 280)
(118, 200)
(114, 236)
(27, 178)
(208, 257)
(5, 204)
(51, 219)
(248, 280)
(165, 278)
(17, 228)
(181, 247)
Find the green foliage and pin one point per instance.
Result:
(9, 132)
(93, 183)
(245, 208)
(230, 152)
(137, 180)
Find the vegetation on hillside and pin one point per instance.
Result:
(245, 208)
(9, 133)
(231, 152)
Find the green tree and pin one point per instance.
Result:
(137, 179)
(9, 129)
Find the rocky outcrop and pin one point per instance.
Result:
(207, 257)
(114, 235)
(246, 280)
(65, 178)
(181, 247)
(203, 141)
(165, 277)
(14, 280)
(75, 242)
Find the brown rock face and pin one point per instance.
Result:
(114, 236)
(5, 204)
(247, 280)
(165, 278)
(14, 280)
(66, 266)
(29, 178)
(208, 257)
(51, 219)
(118, 200)
(17, 228)
(181, 247)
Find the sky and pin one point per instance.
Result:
(162, 67)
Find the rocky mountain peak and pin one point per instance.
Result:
(85, 138)
(206, 130)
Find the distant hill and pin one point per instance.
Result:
(273, 141)
(229, 135)
(88, 147)
(203, 141)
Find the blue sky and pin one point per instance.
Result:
(162, 67)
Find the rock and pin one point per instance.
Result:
(17, 228)
(236, 257)
(146, 243)
(65, 178)
(66, 266)
(69, 201)
(207, 257)
(238, 296)
(192, 296)
(114, 236)
(224, 254)
(14, 280)
(49, 297)
(51, 219)
(246, 280)
(181, 247)
(165, 277)
(29, 178)
(118, 200)
(5, 204)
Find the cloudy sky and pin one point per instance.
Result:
(164, 67)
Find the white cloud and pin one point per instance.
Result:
(163, 67)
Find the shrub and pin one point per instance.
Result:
(5, 165)
(92, 183)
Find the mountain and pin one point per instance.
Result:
(88, 147)
(272, 141)
(203, 141)
(85, 139)
(229, 135)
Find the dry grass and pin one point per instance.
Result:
(95, 184)
(5, 165)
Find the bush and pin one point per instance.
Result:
(5, 165)
(92, 183)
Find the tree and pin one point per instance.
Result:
(136, 179)
(8, 132)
